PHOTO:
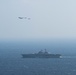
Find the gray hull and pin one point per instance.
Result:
(41, 55)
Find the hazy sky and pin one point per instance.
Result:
(49, 19)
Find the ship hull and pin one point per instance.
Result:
(41, 55)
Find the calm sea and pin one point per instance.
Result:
(12, 63)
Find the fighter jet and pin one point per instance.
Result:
(24, 18)
(29, 18)
(20, 17)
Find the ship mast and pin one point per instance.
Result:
(46, 52)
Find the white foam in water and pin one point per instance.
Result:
(68, 57)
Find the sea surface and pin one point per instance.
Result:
(12, 63)
(33, 66)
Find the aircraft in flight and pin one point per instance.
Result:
(24, 18)
(20, 17)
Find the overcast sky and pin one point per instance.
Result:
(49, 19)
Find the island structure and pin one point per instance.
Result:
(41, 54)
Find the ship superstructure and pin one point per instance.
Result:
(41, 54)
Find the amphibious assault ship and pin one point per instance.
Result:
(41, 54)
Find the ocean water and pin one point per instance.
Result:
(12, 63)
(33, 66)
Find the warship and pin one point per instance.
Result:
(41, 54)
